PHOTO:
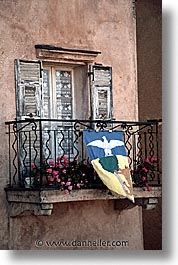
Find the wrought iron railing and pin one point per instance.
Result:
(48, 153)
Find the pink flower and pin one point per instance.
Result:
(64, 171)
(58, 159)
(147, 187)
(49, 170)
(154, 159)
(147, 160)
(66, 191)
(68, 183)
(64, 160)
(70, 187)
(143, 178)
(78, 185)
(51, 163)
(33, 166)
(55, 173)
(58, 180)
(63, 183)
(145, 169)
(51, 179)
(83, 174)
(59, 165)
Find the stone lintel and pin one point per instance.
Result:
(62, 56)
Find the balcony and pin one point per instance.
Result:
(49, 158)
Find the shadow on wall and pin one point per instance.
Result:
(152, 228)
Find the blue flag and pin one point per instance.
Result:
(109, 158)
(102, 144)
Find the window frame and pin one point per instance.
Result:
(52, 67)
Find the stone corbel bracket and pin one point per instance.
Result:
(146, 203)
(40, 202)
(19, 208)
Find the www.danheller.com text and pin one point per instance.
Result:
(81, 243)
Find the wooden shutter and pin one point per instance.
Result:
(101, 92)
(28, 76)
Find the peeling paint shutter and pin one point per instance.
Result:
(101, 92)
(28, 88)
(28, 77)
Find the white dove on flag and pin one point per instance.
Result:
(107, 146)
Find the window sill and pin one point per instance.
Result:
(40, 202)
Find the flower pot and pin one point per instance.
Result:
(29, 182)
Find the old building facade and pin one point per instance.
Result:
(70, 37)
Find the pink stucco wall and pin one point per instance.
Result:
(79, 221)
(104, 25)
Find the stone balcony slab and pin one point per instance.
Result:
(40, 202)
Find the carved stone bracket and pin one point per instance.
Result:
(18, 208)
(40, 202)
(146, 203)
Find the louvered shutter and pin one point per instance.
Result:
(28, 75)
(101, 92)
(28, 88)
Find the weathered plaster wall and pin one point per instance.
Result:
(104, 25)
(89, 220)
(149, 56)
(107, 26)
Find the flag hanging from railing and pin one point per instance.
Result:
(109, 158)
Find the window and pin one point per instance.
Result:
(57, 93)
(62, 92)
(57, 102)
